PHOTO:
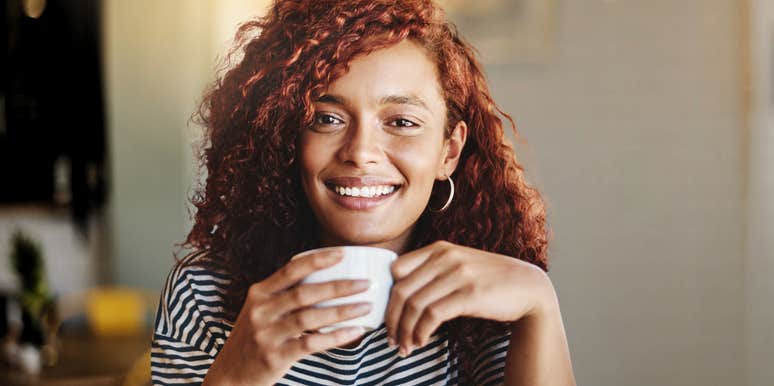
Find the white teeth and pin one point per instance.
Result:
(364, 191)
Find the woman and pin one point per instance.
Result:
(343, 123)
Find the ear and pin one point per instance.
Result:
(452, 150)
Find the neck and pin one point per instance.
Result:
(398, 245)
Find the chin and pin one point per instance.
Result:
(363, 238)
(357, 228)
(362, 234)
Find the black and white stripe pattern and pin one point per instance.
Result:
(191, 328)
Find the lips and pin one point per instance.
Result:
(364, 191)
(349, 181)
(361, 193)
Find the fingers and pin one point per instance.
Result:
(309, 294)
(289, 313)
(417, 305)
(403, 290)
(312, 319)
(436, 313)
(277, 310)
(408, 262)
(298, 348)
(299, 268)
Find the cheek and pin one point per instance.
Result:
(311, 157)
(310, 162)
(418, 161)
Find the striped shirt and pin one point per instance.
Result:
(191, 328)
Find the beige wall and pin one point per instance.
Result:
(636, 137)
(153, 59)
(159, 58)
(759, 280)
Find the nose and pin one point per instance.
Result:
(361, 146)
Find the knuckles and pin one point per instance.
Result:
(432, 314)
(255, 292)
(470, 289)
(399, 293)
(395, 269)
(445, 248)
(302, 321)
(441, 244)
(292, 270)
(413, 305)
(299, 296)
(444, 251)
(461, 270)
(254, 317)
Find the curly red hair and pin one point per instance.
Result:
(252, 214)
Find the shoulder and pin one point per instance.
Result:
(193, 272)
(192, 279)
(192, 298)
(187, 335)
(196, 266)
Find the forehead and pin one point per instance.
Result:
(401, 69)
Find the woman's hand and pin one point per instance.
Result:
(268, 335)
(443, 281)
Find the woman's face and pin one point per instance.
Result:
(369, 161)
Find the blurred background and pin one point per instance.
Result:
(647, 124)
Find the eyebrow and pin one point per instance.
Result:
(388, 99)
(404, 100)
(332, 99)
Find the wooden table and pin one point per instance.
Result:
(85, 360)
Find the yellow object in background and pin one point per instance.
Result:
(115, 311)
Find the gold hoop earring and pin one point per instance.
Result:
(449, 200)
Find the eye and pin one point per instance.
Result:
(327, 119)
(327, 123)
(403, 122)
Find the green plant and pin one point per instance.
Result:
(28, 263)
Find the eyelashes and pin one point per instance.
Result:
(327, 119)
(405, 122)
(329, 122)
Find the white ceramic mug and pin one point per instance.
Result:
(358, 263)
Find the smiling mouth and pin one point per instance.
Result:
(371, 191)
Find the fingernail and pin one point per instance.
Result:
(391, 342)
(334, 256)
(402, 352)
(327, 260)
(361, 285)
(362, 308)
